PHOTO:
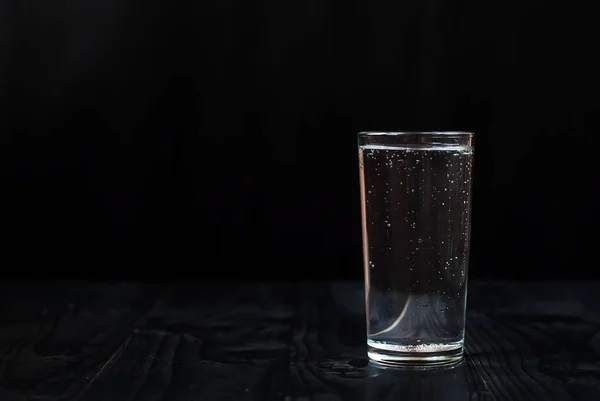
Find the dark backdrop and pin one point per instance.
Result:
(220, 137)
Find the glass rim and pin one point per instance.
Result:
(400, 133)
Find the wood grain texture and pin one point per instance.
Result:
(55, 337)
(205, 342)
(536, 342)
(290, 342)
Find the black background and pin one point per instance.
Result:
(218, 139)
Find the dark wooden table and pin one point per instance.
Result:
(116, 341)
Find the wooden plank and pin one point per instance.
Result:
(213, 341)
(536, 341)
(54, 337)
(287, 342)
(507, 364)
(454, 383)
(322, 367)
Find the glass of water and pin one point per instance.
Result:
(416, 212)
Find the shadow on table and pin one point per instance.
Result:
(454, 383)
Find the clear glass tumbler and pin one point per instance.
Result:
(416, 203)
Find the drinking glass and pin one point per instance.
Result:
(416, 209)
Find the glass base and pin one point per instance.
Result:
(414, 355)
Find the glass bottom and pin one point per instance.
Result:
(415, 355)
